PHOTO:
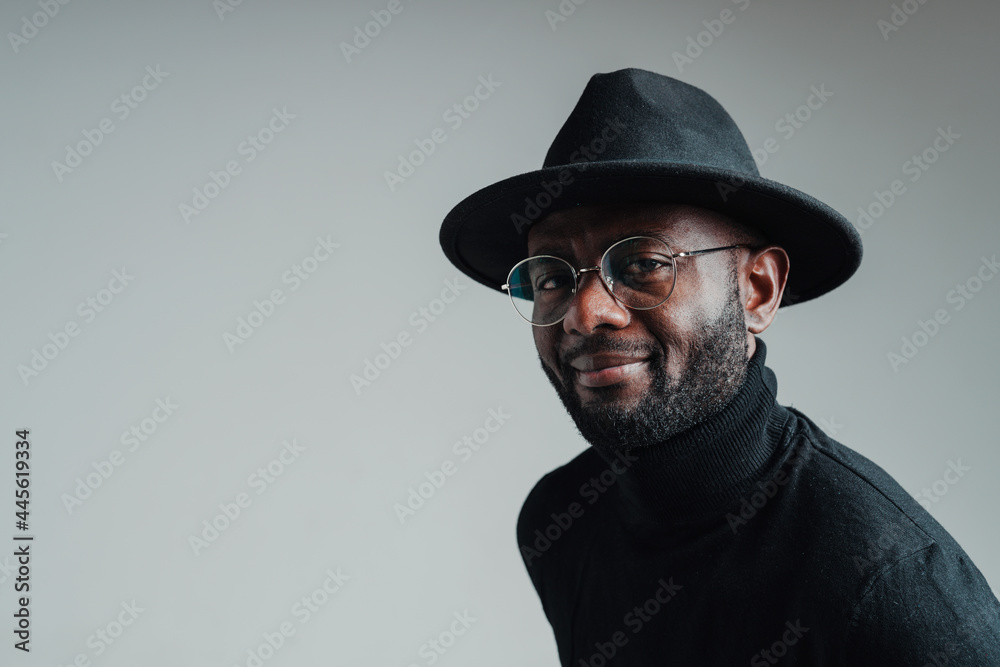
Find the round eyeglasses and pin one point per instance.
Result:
(640, 272)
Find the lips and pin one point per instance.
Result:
(600, 370)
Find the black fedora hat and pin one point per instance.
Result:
(638, 136)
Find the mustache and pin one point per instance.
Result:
(599, 344)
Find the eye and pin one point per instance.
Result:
(644, 267)
(552, 280)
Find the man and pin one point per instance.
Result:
(707, 524)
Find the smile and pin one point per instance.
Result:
(609, 374)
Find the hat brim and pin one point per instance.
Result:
(485, 234)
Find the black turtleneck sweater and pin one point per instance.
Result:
(753, 539)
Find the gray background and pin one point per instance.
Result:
(323, 175)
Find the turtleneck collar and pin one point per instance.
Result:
(701, 471)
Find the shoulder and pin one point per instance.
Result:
(934, 602)
(863, 501)
(914, 591)
(851, 481)
(554, 537)
(556, 491)
(553, 532)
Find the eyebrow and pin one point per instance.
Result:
(551, 247)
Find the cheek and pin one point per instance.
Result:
(693, 303)
(669, 324)
(671, 330)
(547, 344)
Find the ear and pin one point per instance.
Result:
(764, 275)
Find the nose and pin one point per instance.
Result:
(593, 306)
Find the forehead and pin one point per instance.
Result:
(599, 226)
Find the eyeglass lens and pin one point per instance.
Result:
(639, 272)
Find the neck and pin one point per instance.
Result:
(701, 471)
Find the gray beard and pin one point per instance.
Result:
(716, 369)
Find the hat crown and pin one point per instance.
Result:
(637, 115)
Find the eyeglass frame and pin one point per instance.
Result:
(604, 279)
